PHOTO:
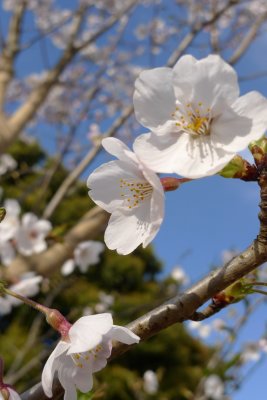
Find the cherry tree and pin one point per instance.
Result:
(73, 76)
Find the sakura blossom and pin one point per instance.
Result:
(251, 352)
(7, 252)
(28, 286)
(83, 350)
(10, 225)
(8, 230)
(214, 387)
(106, 302)
(197, 120)
(30, 236)
(151, 383)
(85, 254)
(5, 306)
(179, 275)
(6, 391)
(203, 330)
(7, 163)
(133, 195)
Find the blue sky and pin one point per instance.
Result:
(210, 215)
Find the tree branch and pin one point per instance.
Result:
(183, 306)
(10, 50)
(27, 111)
(196, 29)
(248, 39)
(46, 263)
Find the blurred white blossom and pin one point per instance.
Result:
(31, 234)
(151, 383)
(214, 387)
(179, 275)
(85, 254)
(28, 286)
(7, 163)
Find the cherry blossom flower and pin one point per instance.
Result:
(83, 350)
(30, 237)
(196, 119)
(10, 225)
(85, 254)
(7, 252)
(7, 163)
(106, 302)
(263, 345)
(214, 387)
(8, 230)
(203, 330)
(5, 306)
(132, 193)
(28, 286)
(179, 275)
(6, 391)
(151, 383)
(251, 352)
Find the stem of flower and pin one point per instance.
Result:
(25, 300)
(170, 183)
(53, 317)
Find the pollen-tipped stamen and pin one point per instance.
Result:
(134, 192)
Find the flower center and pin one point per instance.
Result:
(193, 120)
(33, 234)
(134, 192)
(83, 360)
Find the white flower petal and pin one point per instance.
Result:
(123, 335)
(254, 106)
(157, 154)
(208, 80)
(154, 99)
(51, 366)
(136, 227)
(100, 359)
(13, 395)
(186, 156)
(88, 331)
(68, 267)
(231, 131)
(5, 306)
(134, 196)
(29, 219)
(87, 253)
(12, 207)
(84, 380)
(65, 376)
(104, 183)
(43, 226)
(117, 148)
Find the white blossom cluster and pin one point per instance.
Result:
(197, 123)
(28, 285)
(25, 235)
(85, 254)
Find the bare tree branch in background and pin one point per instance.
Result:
(24, 114)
